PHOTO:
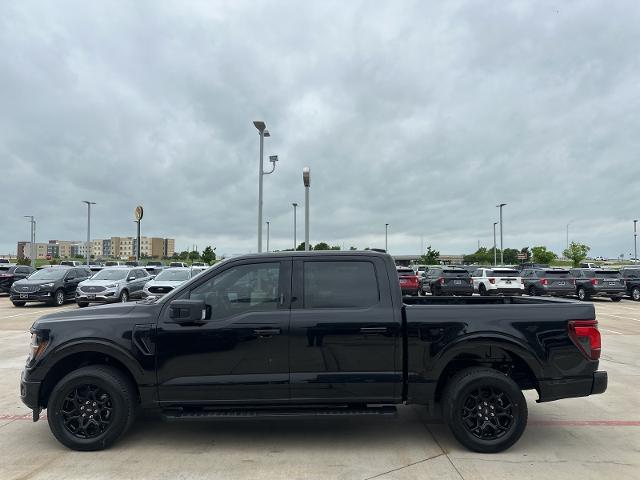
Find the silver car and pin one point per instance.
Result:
(112, 284)
(166, 281)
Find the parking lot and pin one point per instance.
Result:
(576, 438)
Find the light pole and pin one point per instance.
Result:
(501, 245)
(568, 233)
(88, 252)
(262, 128)
(306, 179)
(267, 237)
(495, 247)
(137, 249)
(295, 207)
(32, 247)
(386, 237)
(635, 241)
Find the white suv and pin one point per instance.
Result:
(499, 280)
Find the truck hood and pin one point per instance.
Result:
(100, 312)
(164, 283)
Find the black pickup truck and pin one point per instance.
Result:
(308, 333)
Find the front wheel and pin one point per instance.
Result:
(58, 298)
(616, 299)
(124, 296)
(90, 408)
(82, 304)
(18, 303)
(635, 294)
(485, 409)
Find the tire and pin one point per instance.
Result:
(98, 384)
(82, 304)
(635, 294)
(18, 303)
(616, 299)
(494, 394)
(124, 296)
(532, 291)
(582, 294)
(482, 290)
(435, 291)
(58, 298)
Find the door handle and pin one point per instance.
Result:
(374, 330)
(266, 332)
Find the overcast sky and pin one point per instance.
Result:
(423, 115)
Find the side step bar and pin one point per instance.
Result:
(175, 415)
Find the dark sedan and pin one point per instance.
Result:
(53, 285)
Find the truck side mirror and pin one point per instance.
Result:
(187, 311)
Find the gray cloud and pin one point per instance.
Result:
(417, 114)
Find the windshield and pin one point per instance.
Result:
(119, 274)
(174, 275)
(609, 274)
(4, 269)
(48, 274)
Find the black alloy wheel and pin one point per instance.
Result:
(58, 298)
(87, 411)
(485, 409)
(532, 291)
(582, 294)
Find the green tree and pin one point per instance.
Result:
(335, 247)
(576, 252)
(300, 248)
(481, 256)
(184, 255)
(194, 255)
(540, 254)
(322, 246)
(352, 248)
(208, 255)
(24, 261)
(526, 251)
(430, 257)
(510, 256)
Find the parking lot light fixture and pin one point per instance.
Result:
(306, 179)
(386, 237)
(262, 130)
(635, 241)
(267, 237)
(495, 249)
(32, 246)
(88, 248)
(501, 238)
(295, 227)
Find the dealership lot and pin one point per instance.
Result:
(576, 438)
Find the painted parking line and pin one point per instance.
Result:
(610, 331)
(618, 316)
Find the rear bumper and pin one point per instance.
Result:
(405, 291)
(550, 390)
(609, 293)
(559, 293)
(505, 291)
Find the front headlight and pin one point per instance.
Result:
(46, 285)
(112, 285)
(36, 347)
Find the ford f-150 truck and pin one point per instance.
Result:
(308, 333)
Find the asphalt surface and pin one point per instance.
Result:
(595, 437)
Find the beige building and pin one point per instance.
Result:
(169, 247)
(40, 250)
(96, 248)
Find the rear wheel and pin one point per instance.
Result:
(582, 294)
(532, 291)
(435, 290)
(482, 290)
(90, 408)
(485, 409)
(18, 303)
(635, 294)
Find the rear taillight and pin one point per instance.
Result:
(492, 281)
(594, 281)
(586, 336)
(544, 281)
(441, 280)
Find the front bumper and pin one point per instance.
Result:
(550, 390)
(30, 393)
(102, 297)
(31, 297)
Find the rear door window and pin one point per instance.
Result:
(340, 284)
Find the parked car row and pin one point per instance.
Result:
(57, 284)
(534, 280)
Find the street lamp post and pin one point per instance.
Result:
(501, 244)
(262, 128)
(386, 237)
(32, 246)
(635, 241)
(495, 247)
(306, 179)
(88, 252)
(267, 237)
(295, 228)
(137, 250)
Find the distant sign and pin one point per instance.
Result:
(48, 257)
(139, 212)
(521, 256)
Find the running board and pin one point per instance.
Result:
(174, 415)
